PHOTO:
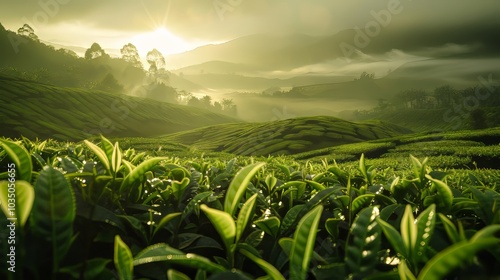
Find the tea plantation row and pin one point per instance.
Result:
(93, 210)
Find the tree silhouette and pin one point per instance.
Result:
(162, 92)
(217, 106)
(109, 84)
(477, 119)
(228, 106)
(365, 76)
(156, 61)
(130, 54)
(27, 31)
(195, 102)
(207, 101)
(95, 51)
(444, 95)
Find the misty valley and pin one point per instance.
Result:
(249, 140)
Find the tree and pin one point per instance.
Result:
(109, 84)
(477, 119)
(366, 76)
(68, 52)
(184, 96)
(156, 61)
(217, 106)
(228, 106)
(195, 102)
(207, 101)
(414, 98)
(27, 31)
(162, 92)
(130, 54)
(95, 51)
(272, 91)
(444, 95)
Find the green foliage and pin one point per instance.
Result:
(237, 218)
(454, 256)
(53, 213)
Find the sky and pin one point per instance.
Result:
(174, 26)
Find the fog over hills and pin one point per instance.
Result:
(455, 57)
(273, 60)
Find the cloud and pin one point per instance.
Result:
(380, 65)
(221, 20)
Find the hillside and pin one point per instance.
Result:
(40, 61)
(283, 137)
(424, 120)
(39, 110)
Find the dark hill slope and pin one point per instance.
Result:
(39, 110)
(285, 136)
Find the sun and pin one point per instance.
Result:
(161, 39)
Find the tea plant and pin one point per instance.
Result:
(96, 211)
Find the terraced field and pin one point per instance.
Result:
(457, 149)
(289, 136)
(36, 110)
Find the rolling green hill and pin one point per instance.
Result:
(283, 137)
(33, 110)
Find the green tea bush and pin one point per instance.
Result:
(94, 210)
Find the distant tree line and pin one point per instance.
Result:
(298, 92)
(226, 106)
(469, 104)
(443, 97)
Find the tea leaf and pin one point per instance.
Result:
(138, 173)
(20, 157)
(123, 259)
(223, 223)
(246, 212)
(303, 243)
(54, 211)
(364, 244)
(270, 225)
(453, 257)
(101, 155)
(271, 271)
(239, 185)
(176, 275)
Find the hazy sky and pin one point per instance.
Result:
(177, 25)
